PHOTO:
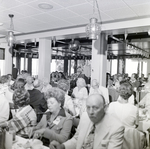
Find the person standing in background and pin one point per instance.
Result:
(14, 72)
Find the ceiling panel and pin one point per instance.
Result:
(68, 3)
(25, 1)
(24, 26)
(143, 9)
(135, 2)
(121, 13)
(80, 9)
(30, 20)
(44, 26)
(2, 8)
(23, 10)
(62, 23)
(10, 3)
(3, 32)
(106, 5)
(46, 18)
(104, 17)
(35, 5)
(63, 13)
(5, 18)
(77, 20)
(6, 26)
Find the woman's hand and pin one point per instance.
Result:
(3, 124)
(56, 145)
(144, 111)
(38, 133)
(141, 106)
(73, 96)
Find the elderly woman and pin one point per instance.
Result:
(25, 117)
(54, 125)
(94, 89)
(68, 103)
(80, 93)
(38, 84)
(19, 83)
(124, 111)
(29, 83)
(46, 85)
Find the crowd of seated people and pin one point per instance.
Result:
(135, 81)
(54, 111)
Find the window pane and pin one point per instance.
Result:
(35, 66)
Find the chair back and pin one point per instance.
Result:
(134, 139)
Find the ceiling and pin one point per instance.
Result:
(29, 18)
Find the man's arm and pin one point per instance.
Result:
(116, 140)
(71, 144)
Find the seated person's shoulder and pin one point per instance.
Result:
(114, 104)
(132, 107)
(84, 117)
(115, 123)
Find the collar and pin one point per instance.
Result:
(61, 113)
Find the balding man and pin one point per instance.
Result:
(108, 133)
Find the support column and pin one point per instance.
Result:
(118, 64)
(148, 66)
(66, 65)
(75, 64)
(8, 59)
(29, 66)
(141, 68)
(69, 67)
(99, 60)
(25, 66)
(44, 58)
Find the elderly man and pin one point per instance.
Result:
(96, 129)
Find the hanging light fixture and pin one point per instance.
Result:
(93, 29)
(74, 45)
(10, 38)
